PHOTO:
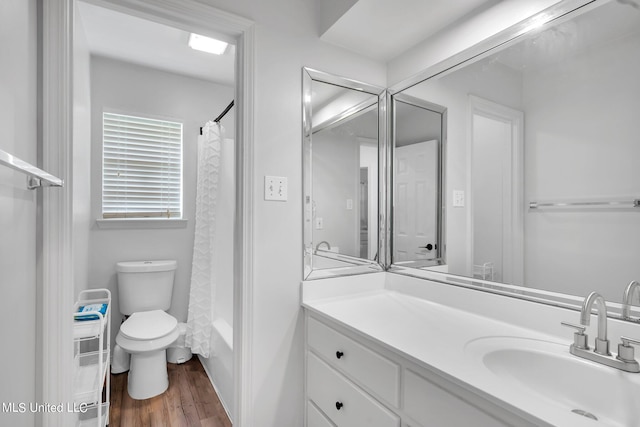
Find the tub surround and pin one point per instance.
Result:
(429, 330)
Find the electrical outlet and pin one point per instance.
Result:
(275, 188)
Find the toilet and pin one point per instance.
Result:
(144, 294)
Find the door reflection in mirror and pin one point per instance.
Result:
(417, 182)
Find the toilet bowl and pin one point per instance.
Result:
(146, 335)
(144, 294)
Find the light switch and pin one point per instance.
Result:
(349, 204)
(458, 198)
(319, 224)
(275, 188)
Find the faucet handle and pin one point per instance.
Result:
(625, 350)
(580, 339)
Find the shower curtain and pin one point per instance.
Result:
(203, 287)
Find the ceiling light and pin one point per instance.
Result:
(207, 44)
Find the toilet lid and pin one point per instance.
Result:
(148, 325)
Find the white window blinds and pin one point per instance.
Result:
(141, 167)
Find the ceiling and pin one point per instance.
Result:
(379, 29)
(383, 29)
(127, 38)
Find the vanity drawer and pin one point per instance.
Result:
(432, 406)
(342, 401)
(375, 372)
(315, 417)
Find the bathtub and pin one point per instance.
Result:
(219, 365)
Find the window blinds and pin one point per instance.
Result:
(141, 167)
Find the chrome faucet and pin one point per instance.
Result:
(628, 297)
(602, 343)
(624, 360)
(325, 243)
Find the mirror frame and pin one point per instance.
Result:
(557, 13)
(358, 265)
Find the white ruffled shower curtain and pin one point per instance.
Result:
(203, 286)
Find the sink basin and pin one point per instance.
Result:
(556, 380)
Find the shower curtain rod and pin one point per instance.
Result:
(224, 113)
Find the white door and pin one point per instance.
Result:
(415, 202)
(496, 188)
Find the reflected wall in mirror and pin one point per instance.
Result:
(341, 171)
(542, 149)
(418, 152)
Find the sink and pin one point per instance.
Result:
(556, 380)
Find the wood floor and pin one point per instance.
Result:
(190, 401)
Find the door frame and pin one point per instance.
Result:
(54, 335)
(514, 252)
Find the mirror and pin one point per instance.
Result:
(418, 153)
(341, 174)
(542, 185)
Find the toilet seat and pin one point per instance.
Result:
(147, 331)
(148, 325)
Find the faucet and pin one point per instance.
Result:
(627, 297)
(602, 343)
(624, 360)
(325, 243)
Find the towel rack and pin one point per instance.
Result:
(612, 204)
(36, 177)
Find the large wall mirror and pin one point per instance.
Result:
(542, 181)
(342, 180)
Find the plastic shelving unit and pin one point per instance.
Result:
(91, 359)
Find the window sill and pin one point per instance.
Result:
(142, 223)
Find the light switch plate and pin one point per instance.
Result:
(275, 188)
(349, 204)
(458, 198)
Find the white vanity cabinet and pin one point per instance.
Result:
(352, 381)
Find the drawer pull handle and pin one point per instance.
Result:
(339, 354)
(339, 405)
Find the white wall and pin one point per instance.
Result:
(336, 174)
(283, 46)
(133, 89)
(581, 139)
(81, 181)
(18, 257)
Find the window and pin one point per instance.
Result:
(141, 167)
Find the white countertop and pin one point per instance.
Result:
(437, 336)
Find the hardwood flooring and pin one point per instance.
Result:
(190, 401)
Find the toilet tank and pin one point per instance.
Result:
(145, 285)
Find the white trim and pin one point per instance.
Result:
(243, 233)
(55, 340)
(141, 223)
(514, 254)
(58, 33)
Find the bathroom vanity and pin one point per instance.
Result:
(387, 350)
